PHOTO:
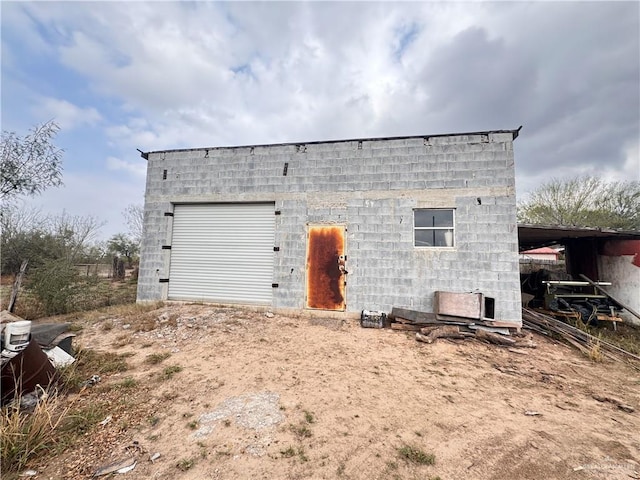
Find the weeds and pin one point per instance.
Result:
(88, 363)
(203, 450)
(301, 455)
(416, 455)
(128, 382)
(595, 352)
(82, 420)
(308, 417)
(288, 452)
(185, 464)
(192, 425)
(27, 435)
(301, 431)
(171, 370)
(392, 465)
(156, 358)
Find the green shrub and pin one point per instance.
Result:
(54, 285)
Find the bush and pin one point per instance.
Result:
(54, 285)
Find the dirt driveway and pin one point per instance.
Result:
(246, 394)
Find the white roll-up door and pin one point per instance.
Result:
(222, 253)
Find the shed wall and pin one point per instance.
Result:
(372, 187)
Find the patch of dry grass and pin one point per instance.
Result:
(156, 358)
(416, 455)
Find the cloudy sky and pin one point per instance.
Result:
(117, 76)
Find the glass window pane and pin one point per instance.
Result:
(443, 238)
(424, 238)
(433, 218)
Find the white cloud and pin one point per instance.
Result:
(66, 114)
(209, 73)
(138, 169)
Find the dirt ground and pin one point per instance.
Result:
(269, 396)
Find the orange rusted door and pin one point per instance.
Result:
(326, 282)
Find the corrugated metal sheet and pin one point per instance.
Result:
(325, 282)
(222, 252)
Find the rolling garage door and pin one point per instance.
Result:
(222, 253)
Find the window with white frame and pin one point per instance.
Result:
(433, 227)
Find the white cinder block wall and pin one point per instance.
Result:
(371, 186)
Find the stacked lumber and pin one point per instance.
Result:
(546, 325)
(413, 320)
(430, 326)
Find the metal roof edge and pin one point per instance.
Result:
(515, 132)
(571, 228)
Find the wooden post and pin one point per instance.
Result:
(16, 286)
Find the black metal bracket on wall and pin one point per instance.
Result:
(164, 280)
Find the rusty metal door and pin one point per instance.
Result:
(326, 273)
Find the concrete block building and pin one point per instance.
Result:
(334, 225)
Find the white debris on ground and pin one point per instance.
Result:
(255, 411)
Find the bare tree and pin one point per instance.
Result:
(76, 232)
(584, 201)
(30, 164)
(27, 234)
(134, 216)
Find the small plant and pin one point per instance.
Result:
(416, 455)
(301, 431)
(156, 358)
(107, 326)
(301, 455)
(153, 420)
(185, 464)
(203, 450)
(227, 422)
(81, 421)
(128, 382)
(122, 340)
(308, 417)
(288, 453)
(192, 425)
(595, 352)
(171, 370)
